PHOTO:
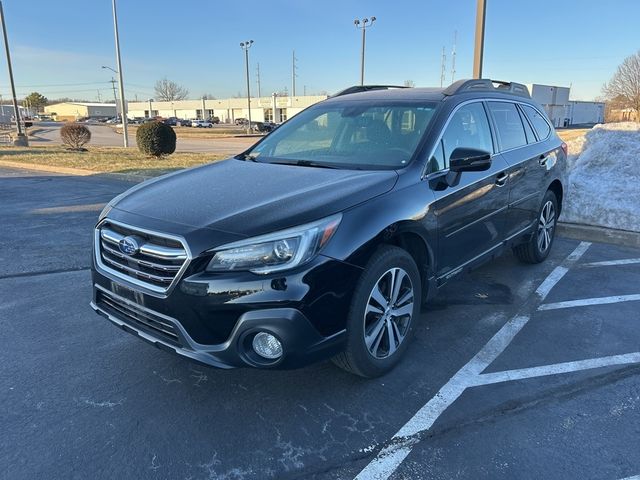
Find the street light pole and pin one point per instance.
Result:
(22, 139)
(478, 54)
(363, 25)
(123, 108)
(246, 46)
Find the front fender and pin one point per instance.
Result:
(365, 226)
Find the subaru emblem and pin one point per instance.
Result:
(129, 245)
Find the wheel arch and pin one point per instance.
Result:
(557, 189)
(406, 235)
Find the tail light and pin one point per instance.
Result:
(565, 149)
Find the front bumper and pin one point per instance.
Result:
(212, 319)
(302, 343)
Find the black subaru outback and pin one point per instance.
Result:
(325, 238)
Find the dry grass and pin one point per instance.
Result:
(105, 159)
(572, 134)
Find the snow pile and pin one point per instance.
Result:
(603, 172)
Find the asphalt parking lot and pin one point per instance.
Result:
(516, 371)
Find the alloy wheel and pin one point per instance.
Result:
(388, 313)
(546, 224)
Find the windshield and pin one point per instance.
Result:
(355, 134)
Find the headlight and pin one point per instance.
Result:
(275, 251)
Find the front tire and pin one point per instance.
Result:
(537, 249)
(383, 313)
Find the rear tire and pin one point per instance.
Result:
(537, 248)
(383, 313)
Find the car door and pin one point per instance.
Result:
(471, 214)
(520, 148)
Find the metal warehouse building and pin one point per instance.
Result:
(564, 112)
(271, 109)
(72, 111)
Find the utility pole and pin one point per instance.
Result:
(363, 25)
(246, 46)
(293, 74)
(258, 79)
(115, 95)
(21, 140)
(453, 56)
(1, 106)
(478, 54)
(123, 107)
(99, 97)
(443, 67)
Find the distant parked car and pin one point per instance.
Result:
(262, 127)
(185, 122)
(171, 121)
(214, 120)
(201, 124)
(241, 121)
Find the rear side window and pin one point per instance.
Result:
(531, 138)
(509, 125)
(538, 122)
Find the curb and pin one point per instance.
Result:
(127, 177)
(592, 233)
(47, 168)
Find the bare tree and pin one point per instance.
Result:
(624, 87)
(409, 83)
(168, 91)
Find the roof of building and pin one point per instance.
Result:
(86, 104)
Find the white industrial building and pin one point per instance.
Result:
(272, 109)
(564, 112)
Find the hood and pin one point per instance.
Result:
(250, 198)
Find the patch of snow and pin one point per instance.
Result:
(603, 170)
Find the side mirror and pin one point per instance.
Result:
(463, 160)
(469, 160)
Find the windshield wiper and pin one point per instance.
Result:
(307, 163)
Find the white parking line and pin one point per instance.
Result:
(557, 368)
(391, 456)
(608, 263)
(590, 301)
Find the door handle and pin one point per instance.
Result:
(501, 179)
(542, 160)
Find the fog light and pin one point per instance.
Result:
(267, 346)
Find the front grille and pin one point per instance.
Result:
(155, 265)
(138, 317)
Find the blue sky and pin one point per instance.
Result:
(59, 46)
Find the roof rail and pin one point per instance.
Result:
(487, 85)
(365, 88)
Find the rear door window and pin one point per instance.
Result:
(509, 125)
(538, 121)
